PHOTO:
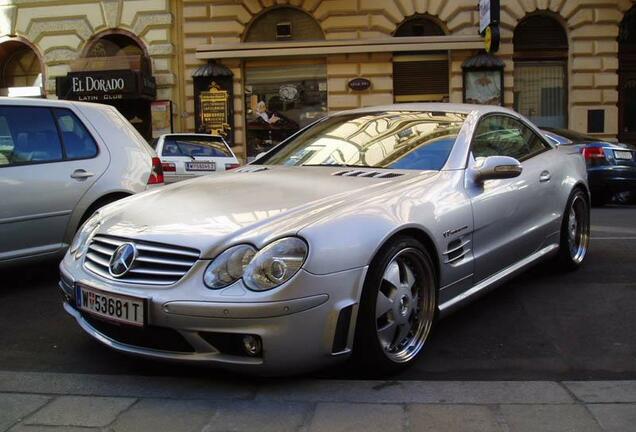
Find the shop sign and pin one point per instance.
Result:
(214, 110)
(105, 86)
(359, 84)
(488, 14)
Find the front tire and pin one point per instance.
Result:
(397, 308)
(575, 231)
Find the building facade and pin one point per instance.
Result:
(259, 70)
(111, 51)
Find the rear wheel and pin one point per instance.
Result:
(397, 308)
(575, 230)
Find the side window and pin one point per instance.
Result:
(28, 135)
(78, 142)
(505, 136)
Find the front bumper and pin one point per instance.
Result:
(305, 324)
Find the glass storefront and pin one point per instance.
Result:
(279, 101)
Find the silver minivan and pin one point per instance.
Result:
(59, 162)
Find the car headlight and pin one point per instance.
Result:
(80, 242)
(228, 267)
(275, 264)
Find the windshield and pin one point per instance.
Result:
(403, 140)
(193, 146)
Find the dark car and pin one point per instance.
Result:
(611, 167)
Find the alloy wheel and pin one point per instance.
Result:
(578, 228)
(404, 306)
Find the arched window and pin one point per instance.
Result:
(627, 78)
(119, 46)
(284, 24)
(420, 76)
(20, 70)
(540, 70)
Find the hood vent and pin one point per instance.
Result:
(251, 169)
(363, 173)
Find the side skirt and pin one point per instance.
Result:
(495, 280)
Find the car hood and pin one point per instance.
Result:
(244, 205)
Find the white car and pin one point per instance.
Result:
(187, 155)
(59, 162)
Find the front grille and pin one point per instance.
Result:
(153, 337)
(155, 264)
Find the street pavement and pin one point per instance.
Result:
(74, 402)
(547, 351)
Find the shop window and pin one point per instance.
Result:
(281, 101)
(286, 24)
(420, 76)
(540, 71)
(20, 70)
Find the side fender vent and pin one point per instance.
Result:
(457, 250)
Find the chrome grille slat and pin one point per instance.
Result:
(155, 264)
(148, 248)
(141, 270)
(165, 261)
(97, 259)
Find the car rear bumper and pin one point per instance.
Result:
(612, 179)
(297, 334)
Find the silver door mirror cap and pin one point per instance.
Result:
(497, 167)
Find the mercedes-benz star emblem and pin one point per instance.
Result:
(122, 260)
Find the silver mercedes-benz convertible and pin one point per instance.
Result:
(349, 239)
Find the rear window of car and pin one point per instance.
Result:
(195, 146)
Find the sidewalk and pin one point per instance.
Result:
(70, 402)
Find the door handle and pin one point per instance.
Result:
(81, 174)
(545, 176)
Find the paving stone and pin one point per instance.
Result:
(615, 417)
(125, 385)
(80, 411)
(258, 416)
(14, 407)
(548, 418)
(465, 418)
(159, 415)
(348, 417)
(603, 391)
(452, 392)
(39, 428)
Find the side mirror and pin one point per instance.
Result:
(497, 167)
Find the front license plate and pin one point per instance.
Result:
(618, 154)
(114, 307)
(200, 166)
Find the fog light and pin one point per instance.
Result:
(252, 345)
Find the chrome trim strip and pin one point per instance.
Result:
(496, 278)
(35, 216)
